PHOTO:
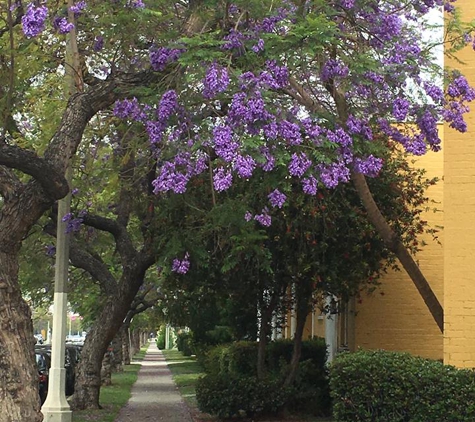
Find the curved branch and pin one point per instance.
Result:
(53, 182)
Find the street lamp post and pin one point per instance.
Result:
(56, 407)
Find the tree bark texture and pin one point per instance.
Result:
(19, 395)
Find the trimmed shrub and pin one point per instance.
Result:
(232, 395)
(161, 338)
(184, 343)
(398, 387)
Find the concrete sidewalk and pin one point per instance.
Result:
(155, 396)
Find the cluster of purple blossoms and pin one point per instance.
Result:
(453, 114)
(224, 145)
(427, 123)
(234, 40)
(448, 7)
(460, 88)
(369, 166)
(136, 4)
(73, 224)
(359, 127)
(339, 137)
(162, 56)
(275, 76)
(244, 166)
(181, 266)
(332, 174)
(299, 164)
(215, 81)
(290, 132)
(277, 198)
(416, 145)
(222, 179)
(269, 162)
(347, 4)
(167, 106)
(334, 69)
(33, 21)
(78, 8)
(129, 109)
(264, 218)
(170, 179)
(400, 109)
(259, 46)
(310, 185)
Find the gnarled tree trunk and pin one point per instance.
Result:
(18, 373)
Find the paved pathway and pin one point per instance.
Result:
(155, 396)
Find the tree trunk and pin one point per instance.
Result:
(117, 357)
(106, 369)
(126, 346)
(19, 394)
(393, 242)
(266, 317)
(303, 293)
(88, 379)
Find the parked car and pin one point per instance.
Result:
(71, 357)
(43, 363)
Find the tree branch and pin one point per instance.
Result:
(51, 180)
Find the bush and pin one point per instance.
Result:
(233, 395)
(398, 387)
(161, 338)
(184, 343)
(227, 365)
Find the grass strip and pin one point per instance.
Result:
(113, 397)
(185, 371)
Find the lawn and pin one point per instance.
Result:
(114, 396)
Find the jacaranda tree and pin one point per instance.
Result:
(312, 86)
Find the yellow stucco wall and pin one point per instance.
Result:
(394, 317)
(459, 200)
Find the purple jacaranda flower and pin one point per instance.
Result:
(334, 69)
(215, 81)
(400, 109)
(33, 21)
(299, 164)
(155, 131)
(224, 145)
(167, 105)
(244, 166)
(332, 174)
(222, 179)
(369, 166)
(264, 218)
(453, 114)
(78, 8)
(290, 132)
(277, 198)
(162, 56)
(248, 216)
(181, 266)
(339, 137)
(416, 145)
(460, 87)
(234, 40)
(61, 25)
(310, 185)
(136, 4)
(50, 250)
(269, 162)
(129, 109)
(257, 48)
(98, 43)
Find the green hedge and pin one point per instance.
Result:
(184, 343)
(230, 396)
(229, 367)
(398, 387)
